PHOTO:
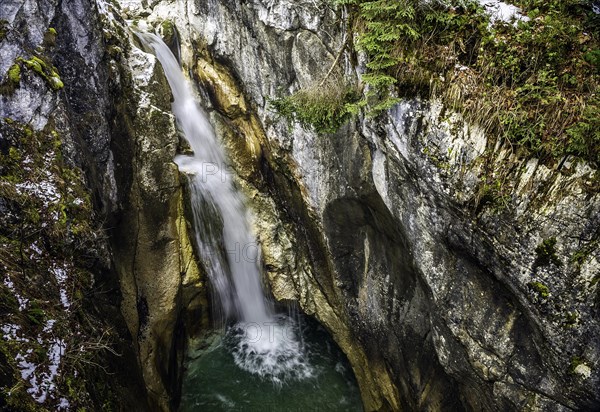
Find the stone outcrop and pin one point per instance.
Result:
(454, 274)
(153, 253)
(84, 75)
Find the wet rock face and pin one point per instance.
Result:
(84, 80)
(452, 272)
(487, 265)
(159, 277)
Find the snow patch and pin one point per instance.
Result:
(64, 299)
(27, 368)
(9, 332)
(34, 247)
(63, 405)
(502, 12)
(41, 381)
(61, 277)
(49, 325)
(22, 301)
(45, 189)
(42, 384)
(40, 392)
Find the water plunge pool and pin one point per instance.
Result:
(214, 382)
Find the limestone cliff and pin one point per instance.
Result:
(88, 184)
(453, 273)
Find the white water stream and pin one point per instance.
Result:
(261, 342)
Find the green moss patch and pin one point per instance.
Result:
(12, 80)
(323, 108)
(540, 289)
(14, 73)
(45, 70)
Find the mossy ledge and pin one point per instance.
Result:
(45, 70)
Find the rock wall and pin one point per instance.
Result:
(64, 343)
(85, 84)
(454, 274)
(153, 254)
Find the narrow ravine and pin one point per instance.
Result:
(263, 348)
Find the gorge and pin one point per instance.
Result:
(437, 264)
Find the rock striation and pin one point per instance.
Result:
(453, 273)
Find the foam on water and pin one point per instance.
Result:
(273, 350)
(323, 382)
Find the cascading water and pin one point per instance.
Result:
(262, 342)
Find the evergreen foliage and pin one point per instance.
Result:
(534, 82)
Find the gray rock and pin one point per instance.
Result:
(388, 231)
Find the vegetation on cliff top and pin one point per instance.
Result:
(535, 82)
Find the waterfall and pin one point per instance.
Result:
(261, 342)
(210, 183)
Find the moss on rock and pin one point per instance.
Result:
(541, 289)
(45, 70)
(14, 73)
(12, 80)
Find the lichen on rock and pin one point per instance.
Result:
(452, 270)
(417, 247)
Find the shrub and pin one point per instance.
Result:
(534, 83)
(324, 107)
